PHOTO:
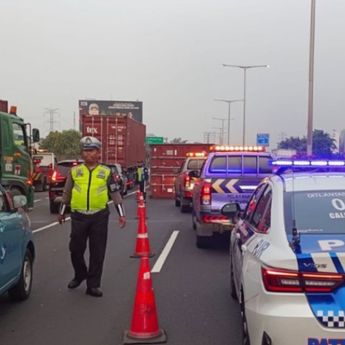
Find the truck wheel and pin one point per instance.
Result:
(54, 207)
(177, 202)
(16, 191)
(22, 289)
(202, 242)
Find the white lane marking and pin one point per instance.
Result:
(160, 261)
(48, 226)
(37, 200)
(67, 219)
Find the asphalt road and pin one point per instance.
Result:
(191, 285)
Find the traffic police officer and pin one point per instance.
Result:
(142, 176)
(87, 190)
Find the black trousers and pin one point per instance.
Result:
(142, 185)
(93, 229)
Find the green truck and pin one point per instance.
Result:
(16, 138)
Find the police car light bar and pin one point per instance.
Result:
(238, 148)
(308, 163)
(196, 154)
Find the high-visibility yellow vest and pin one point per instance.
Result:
(90, 190)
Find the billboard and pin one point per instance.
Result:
(133, 110)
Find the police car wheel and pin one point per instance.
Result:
(22, 289)
(245, 333)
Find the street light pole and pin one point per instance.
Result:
(244, 68)
(311, 81)
(229, 101)
(221, 137)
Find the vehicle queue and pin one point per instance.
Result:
(287, 246)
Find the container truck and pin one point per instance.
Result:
(122, 137)
(166, 163)
(15, 152)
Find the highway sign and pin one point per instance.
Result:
(262, 139)
(154, 140)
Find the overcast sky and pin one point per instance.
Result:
(169, 55)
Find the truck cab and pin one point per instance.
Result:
(15, 162)
(43, 167)
(229, 174)
(185, 180)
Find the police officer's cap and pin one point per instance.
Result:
(90, 143)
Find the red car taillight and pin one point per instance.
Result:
(186, 180)
(280, 280)
(205, 196)
(56, 176)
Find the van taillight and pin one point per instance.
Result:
(205, 197)
(281, 280)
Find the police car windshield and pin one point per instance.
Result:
(315, 212)
(238, 164)
(195, 164)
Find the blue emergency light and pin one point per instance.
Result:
(281, 165)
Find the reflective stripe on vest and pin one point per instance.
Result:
(90, 191)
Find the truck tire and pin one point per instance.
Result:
(193, 220)
(202, 242)
(16, 191)
(21, 291)
(177, 202)
(54, 207)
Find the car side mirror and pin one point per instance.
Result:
(194, 173)
(19, 201)
(231, 210)
(35, 135)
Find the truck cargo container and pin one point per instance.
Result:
(123, 140)
(165, 163)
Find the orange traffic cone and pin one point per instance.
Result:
(142, 247)
(144, 326)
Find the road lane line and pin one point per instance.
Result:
(37, 200)
(160, 261)
(48, 226)
(68, 218)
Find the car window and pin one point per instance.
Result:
(65, 167)
(195, 164)
(265, 166)
(259, 214)
(218, 165)
(315, 212)
(249, 165)
(253, 202)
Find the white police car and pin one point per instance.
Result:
(287, 254)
